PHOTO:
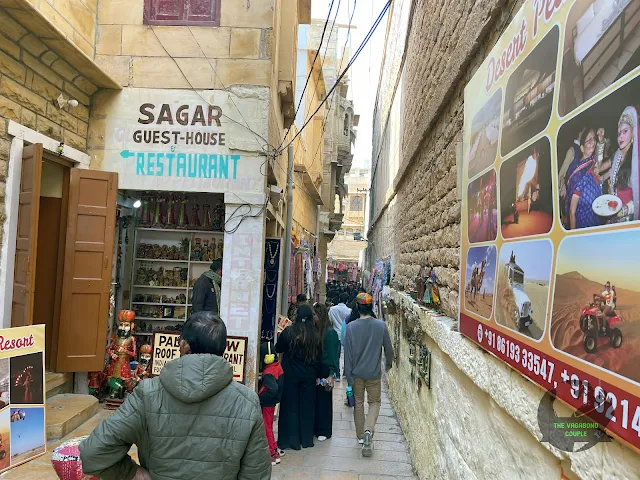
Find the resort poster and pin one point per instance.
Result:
(22, 395)
(551, 205)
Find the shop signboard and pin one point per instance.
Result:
(166, 347)
(22, 395)
(551, 205)
(183, 140)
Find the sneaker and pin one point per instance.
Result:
(275, 459)
(281, 453)
(322, 438)
(361, 441)
(367, 447)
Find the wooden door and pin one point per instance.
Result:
(27, 237)
(84, 314)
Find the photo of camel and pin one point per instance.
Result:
(528, 99)
(594, 56)
(596, 301)
(480, 280)
(5, 439)
(485, 130)
(524, 273)
(482, 208)
(526, 200)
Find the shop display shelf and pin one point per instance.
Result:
(201, 262)
(162, 304)
(174, 230)
(160, 260)
(167, 288)
(148, 319)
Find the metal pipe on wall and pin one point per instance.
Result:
(286, 263)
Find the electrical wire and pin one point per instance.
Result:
(353, 59)
(306, 83)
(257, 136)
(344, 49)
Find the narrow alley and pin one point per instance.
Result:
(339, 458)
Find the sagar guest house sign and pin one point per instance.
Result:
(181, 141)
(551, 205)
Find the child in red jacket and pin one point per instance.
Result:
(270, 393)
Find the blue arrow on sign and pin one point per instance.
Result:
(127, 154)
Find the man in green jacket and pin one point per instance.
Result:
(191, 422)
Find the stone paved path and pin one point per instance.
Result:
(338, 458)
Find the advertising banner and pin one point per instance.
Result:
(551, 203)
(22, 396)
(166, 347)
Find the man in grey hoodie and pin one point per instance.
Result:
(363, 343)
(191, 422)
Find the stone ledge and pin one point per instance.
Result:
(58, 42)
(67, 412)
(513, 393)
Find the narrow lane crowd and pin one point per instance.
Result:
(193, 421)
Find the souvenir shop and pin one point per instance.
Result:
(379, 279)
(342, 271)
(304, 268)
(166, 241)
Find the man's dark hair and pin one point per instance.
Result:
(344, 298)
(301, 298)
(366, 309)
(216, 265)
(205, 332)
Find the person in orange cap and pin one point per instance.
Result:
(364, 341)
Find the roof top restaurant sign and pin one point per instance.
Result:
(551, 204)
(184, 141)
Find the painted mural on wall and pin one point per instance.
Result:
(185, 140)
(551, 189)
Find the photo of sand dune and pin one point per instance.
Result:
(524, 272)
(480, 280)
(485, 130)
(577, 280)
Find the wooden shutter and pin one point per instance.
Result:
(87, 271)
(200, 11)
(27, 237)
(182, 12)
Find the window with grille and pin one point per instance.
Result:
(182, 12)
(356, 204)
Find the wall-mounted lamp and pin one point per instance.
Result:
(66, 102)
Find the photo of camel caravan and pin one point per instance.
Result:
(480, 280)
(595, 314)
(524, 274)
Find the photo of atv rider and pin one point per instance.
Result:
(607, 303)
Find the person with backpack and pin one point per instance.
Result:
(270, 393)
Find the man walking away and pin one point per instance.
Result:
(338, 315)
(192, 421)
(363, 343)
(206, 291)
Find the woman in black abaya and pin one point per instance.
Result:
(330, 352)
(302, 348)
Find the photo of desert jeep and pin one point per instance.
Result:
(522, 309)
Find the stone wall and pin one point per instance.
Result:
(31, 78)
(137, 55)
(479, 419)
(75, 19)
